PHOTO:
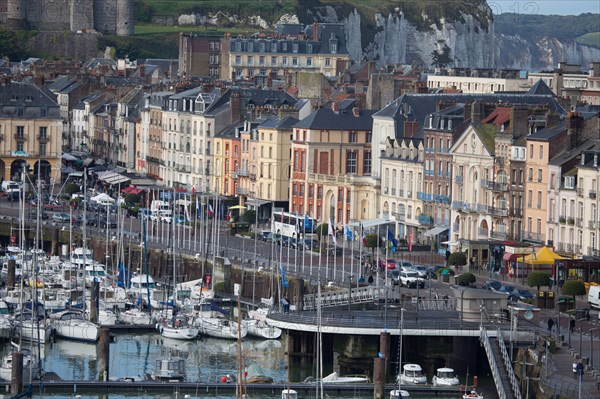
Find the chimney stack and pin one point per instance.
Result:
(315, 37)
(410, 128)
(476, 107)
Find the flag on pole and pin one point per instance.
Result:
(348, 233)
(211, 212)
(307, 223)
(392, 240)
(331, 232)
(410, 241)
(363, 235)
(187, 213)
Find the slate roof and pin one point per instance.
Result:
(95, 62)
(566, 156)
(417, 106)
(287, 122)
(549, 132)
(327, 119)
(24, 95)
(540, 87)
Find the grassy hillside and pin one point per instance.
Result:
(564, 27)
(590, 39)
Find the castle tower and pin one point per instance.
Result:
(16, 14)
(124, 17)
(82, 15)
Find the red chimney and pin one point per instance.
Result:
(315, 32)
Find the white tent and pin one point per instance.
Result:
(103, 199)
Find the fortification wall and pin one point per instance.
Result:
(105, 16)
(79, 46)
(125, 16)
(82, 15)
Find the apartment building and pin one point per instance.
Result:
(149, 151)
(30, 132)
(199, 55)
(588, 178)
(332, 158)
(320, 47)
(226, 159)
(472, 84)
(402, 179)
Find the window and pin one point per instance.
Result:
(369, 137)
(295, 61)
(539, 177)
(327, 62)
(20, 146)
(273, 61)
(284, 60)
(529, 198)
(261, 60)
(309, 48)
(348, 197)
(350, 162)
(352, 137)
(530, 150)
(295, 47)
(311, 190)
(320, 192)
(273, 47)
(238, 59)
(250, 60)
(367, 163)
(541, 151)
(302, 161)
(309, 62)
(43, 132)
(20, 132)
(539, 200)
(295, 160)
(333, 47)
(530, 176)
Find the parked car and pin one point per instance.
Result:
(77, 220)
(112, 223)
(61, 218)
(264, 235)
(411, 279)
(422, 270)
(389, 264)
(506, 289)
(432, 270)
(520, 294)
(492, 285)
(44, 215)
(405, 265)
(394, 276)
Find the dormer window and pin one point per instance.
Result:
(570, 182)
(274, 47)
(295, 47)
(309, 48)
(262, 47)
(238, 46)
(333, 42)
(28, 98)
(250, 46)
(284, 45)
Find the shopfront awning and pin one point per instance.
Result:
(112, 178)
(370, 223)
(435, 231)
(508, 257)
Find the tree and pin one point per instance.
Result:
(457, 259)
(143, 12)
(441, 58)
(322, 230)
(132, 199)
(372, 242)
(249, 216)
(71, 188)
(538, 279)
(573, 288)
(466, 279)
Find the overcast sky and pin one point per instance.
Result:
(560, 7)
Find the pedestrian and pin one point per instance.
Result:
(572, 325)
(575, 364)
(550, 324)
(580, 370)
(370, 280)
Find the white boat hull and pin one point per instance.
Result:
(261, 329)
(135, 317)
(181, 333)
(80, 330)
(220, 328)
(38, 333)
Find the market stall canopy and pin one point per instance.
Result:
(131, 190)
(68, 157)
(112, 178)
(544, 256)
(103, 199)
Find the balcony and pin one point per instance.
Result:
(409, 194)
(183, 168)
(531, 236)
(425, 220)
(241, 190)
(579, 222)
(461, 206)
(483, 232)
(393, 191)
(401, 193)
(570, 221)
(577, 249)
(385, 190)
(560, 246)
(400, 217)
(498, 211)
(518, 212)
(591, 251)
(242, 172)
(20, 137)
(424, 196)
(252, 176)
(569, 247)
(592, 224)
(43, 138)
(592, 194)
(494, 186)
(551, 219)
(441, 199)
(459, 179)
(499, 234)
(562, 220)
(481, 208)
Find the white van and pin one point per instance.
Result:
(594, 296)
(9, 186)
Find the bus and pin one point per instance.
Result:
(291, 224)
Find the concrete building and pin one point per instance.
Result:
(31, 132)
(471, 84)
(199, 55)
(150, 156)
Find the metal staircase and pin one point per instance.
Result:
(506, 383)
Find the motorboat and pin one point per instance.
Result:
(261, 329)
(170, 369)
(178, 327)
(140, 286)
(412, 374)
(95, 272)
(399, 394)
(135, 317)
(54, 300)
(31, 368)
(289, 394)
(444, 376)
(472, 394)
(72, 324)
(335, 378)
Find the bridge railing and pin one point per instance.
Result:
(509, 369)
(487, 345)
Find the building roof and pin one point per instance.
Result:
(548, 133)
(24, 95)
(327, 119)
(417, 106)
(540, 87)
(487, 135)
(287, 122)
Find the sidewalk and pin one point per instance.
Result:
(583, 343)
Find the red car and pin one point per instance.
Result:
(389, 264)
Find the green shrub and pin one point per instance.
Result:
(538, 279)
(457, 259)
(466, 279)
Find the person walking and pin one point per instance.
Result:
(579, 370)
(550, 324)
(575, 369)
(572, 325)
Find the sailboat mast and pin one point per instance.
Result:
(85, 240)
